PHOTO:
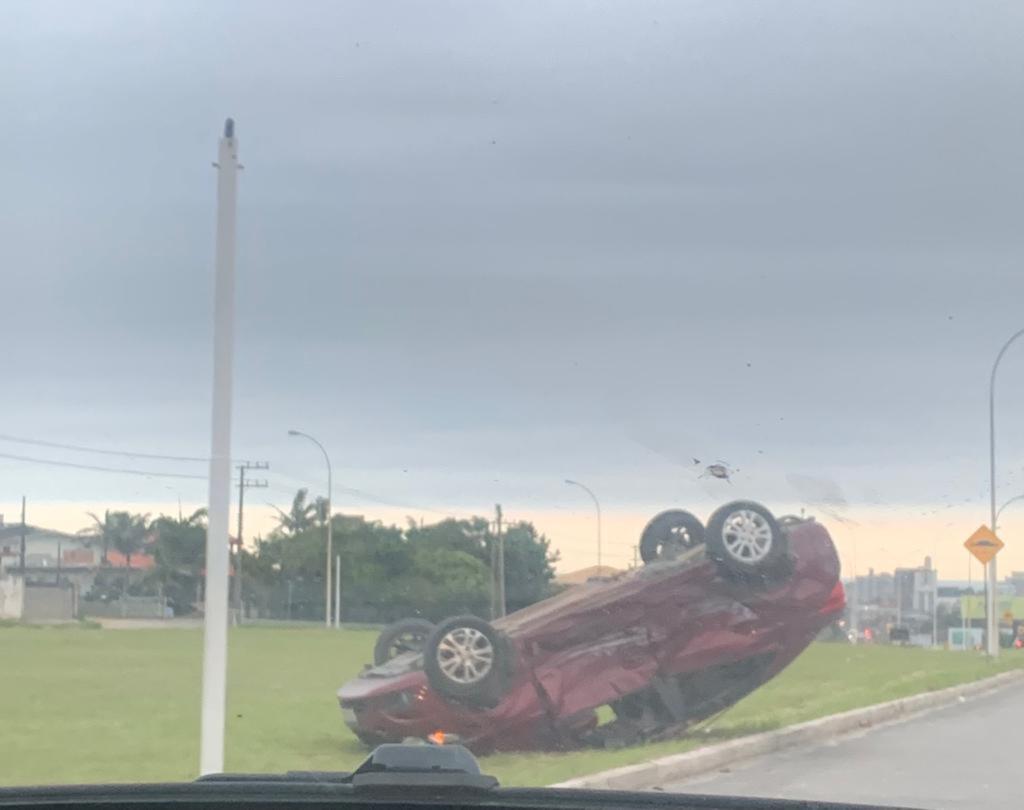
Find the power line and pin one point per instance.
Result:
(369, 496)
(82, 449)
(95, 468)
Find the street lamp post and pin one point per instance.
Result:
(999, 511)
(597, 506)
(327, 581)
(991, 624)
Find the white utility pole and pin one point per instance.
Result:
(215, 634)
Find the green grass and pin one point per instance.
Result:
(90, 706)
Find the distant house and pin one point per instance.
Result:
(57, 568)
(45, 549)
(140, 560)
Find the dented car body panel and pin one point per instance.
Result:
(681, 633)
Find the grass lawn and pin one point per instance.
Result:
(80, 705)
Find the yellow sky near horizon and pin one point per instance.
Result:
(866, 537)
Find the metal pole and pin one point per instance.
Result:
(991, 622)
(855, 600)
(238, 552)
(22, 551)
(337, 590)
(967, 602)
(211, 743)
(854, 619)
(999, 511)
(899, 605)
(597, 506)
(494, 577)
(501, 562)
(330, 555)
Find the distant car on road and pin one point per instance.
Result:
(713, 614)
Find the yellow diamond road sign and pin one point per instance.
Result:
(983, 544)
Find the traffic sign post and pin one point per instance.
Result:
(985, 545)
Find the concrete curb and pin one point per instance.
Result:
(712, 757)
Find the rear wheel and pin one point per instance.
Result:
(406, 635)
(465, 658)
(669, 534)
(744, 538)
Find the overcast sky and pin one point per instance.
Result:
(487, 246)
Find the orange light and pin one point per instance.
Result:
(437, 738)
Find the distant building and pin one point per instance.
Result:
(45, 549)
(916, 591)
(1016, 581)
(52, 556)
(872, 589)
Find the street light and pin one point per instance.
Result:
(991, 625)
(597, 506)
(327, 582)
(999, 511)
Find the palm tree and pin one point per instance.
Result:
(179, 552)
(300, 517)
(102, 532)
(131, 535)
(123, 531)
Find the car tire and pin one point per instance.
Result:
(744, 538)
(405, 635)
(465, 658)
(669, 534)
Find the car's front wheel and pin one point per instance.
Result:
(670, 534)
(465, 658)
(743, 537)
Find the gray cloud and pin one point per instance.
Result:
(505, 241)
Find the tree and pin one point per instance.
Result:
(130, 538)
(179, 553)
(436, 570)
(121, 531)
(301, 516)
(529, 566)
(101, 532)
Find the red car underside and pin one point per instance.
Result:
(678, 636)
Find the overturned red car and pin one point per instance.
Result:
(715, 612)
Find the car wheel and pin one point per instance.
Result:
(465, 658)
(406, 635)
(669, 534)
(743, 537)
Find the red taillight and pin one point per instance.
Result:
(836, 601)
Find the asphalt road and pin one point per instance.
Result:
(968, 756)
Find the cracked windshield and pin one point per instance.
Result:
(626, 392)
